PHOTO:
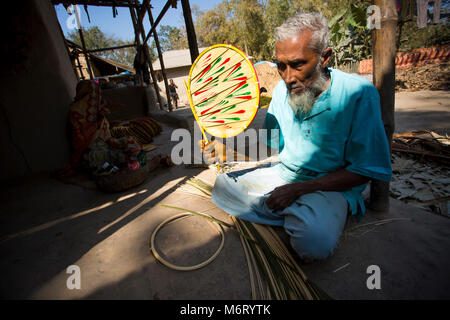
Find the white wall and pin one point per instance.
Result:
(178, 75)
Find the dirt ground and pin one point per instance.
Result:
(422, 110)
(47, 226)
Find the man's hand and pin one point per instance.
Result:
(340, 180)
(282, 197)
(213, 151)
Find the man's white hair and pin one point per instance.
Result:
(301, 21)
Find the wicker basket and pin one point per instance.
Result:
(122, 180)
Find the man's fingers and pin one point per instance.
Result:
(213, 149)
(210, 159)
(275, 203)
(269, 202)
(201, 143)
(206, 145)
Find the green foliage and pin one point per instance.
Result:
(172, 38)
(94, 38)
(276, 12)
(238, 22)
(411, 37)
(349, 37)
(217, 26)
(250, 24)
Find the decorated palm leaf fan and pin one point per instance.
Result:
(223, 91)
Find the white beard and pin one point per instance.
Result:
(305, 101)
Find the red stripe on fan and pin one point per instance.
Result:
(237, 79)
(209, 115)
(207, 59)
(204, 71)
(237, 87)
(205, 111)
(226, 60)
(235, 67)
(216, 121)
(200, 92)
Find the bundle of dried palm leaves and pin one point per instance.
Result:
(420, 165)
(434, 76)
(274, 273)
(423, 143)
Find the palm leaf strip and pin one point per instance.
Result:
(267, 257)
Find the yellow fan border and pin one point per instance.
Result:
(255, 78)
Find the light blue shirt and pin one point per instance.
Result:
(343, 130)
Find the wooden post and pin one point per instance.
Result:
(160, 55)
(79, 67)
(139, 29)
(192, 39)
(83, 45)
(112, 48)
(138, 47)
(158, 19)
(384, 52)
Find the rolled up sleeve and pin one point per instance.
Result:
(274, 136)
(367, 149)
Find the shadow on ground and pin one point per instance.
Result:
(62, 223)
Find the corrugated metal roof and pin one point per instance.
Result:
(175, 59)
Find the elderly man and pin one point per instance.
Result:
(331, 141)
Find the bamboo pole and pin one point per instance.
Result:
(158, 19)
(83, 44)
(138, 47)
(161, 60)
(141, 11)
(139, 29)
(79, 67)
(192, 39)
(384, 52)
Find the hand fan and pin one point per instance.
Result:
(223, 91)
